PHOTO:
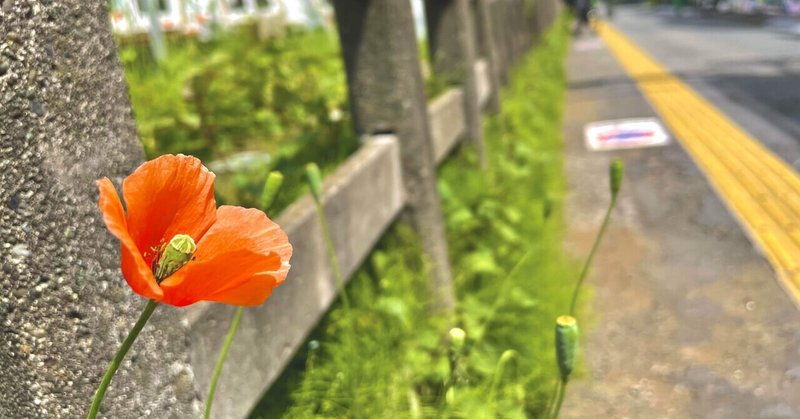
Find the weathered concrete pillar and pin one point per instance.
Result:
(488, 49)
(546, 13)
(65, 121)
(497, 13)
(386, 94)
(452, 40)
(518, 15)
(512, 30)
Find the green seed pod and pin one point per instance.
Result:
(566, 344)
(314, 181)
(271, 188)
(457, 338)
(177, 253)
(616, 173)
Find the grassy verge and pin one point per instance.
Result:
(505, 230)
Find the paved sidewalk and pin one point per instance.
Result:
(687, 319)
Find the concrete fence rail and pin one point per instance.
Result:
(66, 121)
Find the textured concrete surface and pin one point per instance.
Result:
(688, 320)
(64, 307)
(385, 87)
(453, 49)
(483, 80)
(447, 121)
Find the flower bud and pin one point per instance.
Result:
(566, 344)
(314, 181)
(616, 173)
(457, 338)
(271, 188)
(177, 253)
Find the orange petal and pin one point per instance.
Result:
(243, 252)
(251, 293)
(167, 196)
(210, 279)
(134, 268)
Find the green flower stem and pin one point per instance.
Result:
(226, 346)
(562, 390)
(504, 287)
(588, 262)
(551, 401)
(337, 271)
(507, 356)
(115, 363)
(314, 178)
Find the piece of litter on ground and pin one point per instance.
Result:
(624, 133)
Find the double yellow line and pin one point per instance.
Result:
(760, 189)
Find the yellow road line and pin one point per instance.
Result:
(759, 188)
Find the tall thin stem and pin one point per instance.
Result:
(562, 389)
(115, 363)
(553, 398)
(337, 271)
(226, 346)
(589, 259)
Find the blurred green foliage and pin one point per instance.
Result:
(244, 106)
(505, 231)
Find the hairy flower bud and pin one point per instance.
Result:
(177, 253)
(271, 188)
(314, 181)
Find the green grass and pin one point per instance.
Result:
(396, 363)
(283, 99)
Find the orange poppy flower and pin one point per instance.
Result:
(240, 255)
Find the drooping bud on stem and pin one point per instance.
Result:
(616, 173)
(177, 253)
(314, 181)
(271, 188)
(566, 345)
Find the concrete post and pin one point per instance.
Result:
(498, 16)
(488, 49)
(518, 16)
(546, 13)
(386, 95)
(452, 39)
(65, 120)
(511, 30)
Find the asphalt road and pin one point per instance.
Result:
(686, 318)
(749, 67)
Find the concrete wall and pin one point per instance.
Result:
(65, 121)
